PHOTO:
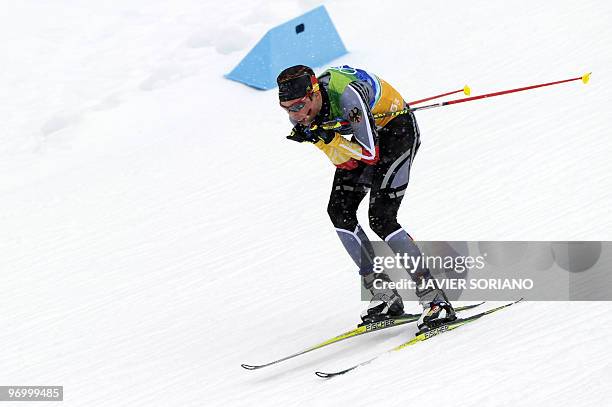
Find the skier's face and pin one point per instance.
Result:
(303, 110)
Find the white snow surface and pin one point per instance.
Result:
(158, 230)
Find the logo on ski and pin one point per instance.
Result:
(379, 325)
(436, 331)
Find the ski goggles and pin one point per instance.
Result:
(297, 106)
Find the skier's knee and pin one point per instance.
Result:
(341, 217)
(383, 224)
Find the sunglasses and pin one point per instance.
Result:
(297, 106)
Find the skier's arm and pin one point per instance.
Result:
(357, 111)
(341, 152)
(338, 157)
(336, 148)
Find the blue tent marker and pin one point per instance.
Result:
(310, 39)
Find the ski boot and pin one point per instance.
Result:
(435, 315)
(437, 310)
(386, 303)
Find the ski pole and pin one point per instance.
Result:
(466, 91)
(585, 79)
(337, 124)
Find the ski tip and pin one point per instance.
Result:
(324, 375)
(329, 375)
(467, 90)
(586, 77)
(249, 367)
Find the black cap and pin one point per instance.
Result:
(295, 82)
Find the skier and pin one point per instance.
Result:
(376, 158)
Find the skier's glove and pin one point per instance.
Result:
(300, 134)
(325, 136)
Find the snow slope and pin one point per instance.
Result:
(157, 229)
